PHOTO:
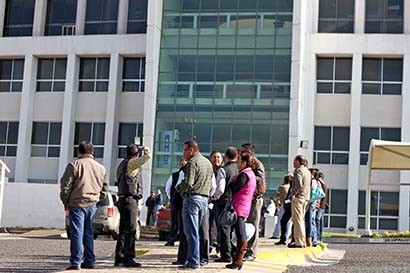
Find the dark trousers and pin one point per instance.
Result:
(287, 215)
(224, 234)
(125, 249)
(254, 218)
(183, 244)
(150, 216)
(204, 238)
(173, 232)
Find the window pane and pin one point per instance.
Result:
(342, 159)
(101, 86)
(338, 221)
(5, 69)
(18, 69)
(371, 88)
(39, 151)
(137, 10)
(55, 133)
(342, 88)
(131, 68)
(98, 152)
(366, 135)
(3, 132)
(325, 68)
(327, 9)
(322, 138)
(374, 9)
(2, 150)
(122, 153)
(13, 133)
(19, 17)
(130, 86)
(392, 134)
(87, 68)
(371, 69)
(361, 210)
(127, 133)
(11, 150)
(4, 86)
(98, 133)
(43, 86)
(344, 26)
(392, 70)
(345, 8)
(82, 132)
(343, 69)
(323, 158)
(60, 68)
(341, 136)
(45, 69)
(53, 151)
(339, 202)
(59, 86)
(388, 224)
(16, 86)
(394, 9)
(391, 89)
(103, 68)
(40, 133)
(389, 204)
(363, 159)
(86, 86)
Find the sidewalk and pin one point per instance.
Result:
(155, 257)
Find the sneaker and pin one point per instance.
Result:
(177, 263)
(249, 258)
(294, 246)
(204, 262)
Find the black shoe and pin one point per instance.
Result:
(188, 266)
(87, 266)
(294, 246)
(280, 243)
(249, 258)
(274, 237)
(73, 267)
(204, 262)
(169, 244)
(177, 263)
(131, 263)
(223, 260)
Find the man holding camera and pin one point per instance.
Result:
(129, 180)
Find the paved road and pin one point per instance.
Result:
(365, 258)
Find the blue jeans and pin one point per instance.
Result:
(82, 235)
(319, 223)
(193, 211)
(310, 222)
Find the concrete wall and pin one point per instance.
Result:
(32, 205)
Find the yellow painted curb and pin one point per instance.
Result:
(291, 256)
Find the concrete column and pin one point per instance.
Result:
(404, 206)
(68, 122)
(80, 19)
(406, 17)
(315, 16)
(25, 121)
(122, 17)
(354, 152)
(40, 11)
(2, 16)
(151, 82)
(359, 16)
(111, 126)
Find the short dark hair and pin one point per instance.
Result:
(231, 152)
(301, 159)
(248, 147)
(192, 144)
(86, 147)
(321, 175)
(132, 150)
(215, 152)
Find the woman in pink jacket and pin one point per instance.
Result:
(243, 188)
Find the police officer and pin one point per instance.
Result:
(129, 192)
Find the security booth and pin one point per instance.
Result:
(385, 156)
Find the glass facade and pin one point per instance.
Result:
(225, 80)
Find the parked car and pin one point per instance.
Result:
(106, 219)
(163, 223)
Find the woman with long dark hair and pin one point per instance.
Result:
(243, 189)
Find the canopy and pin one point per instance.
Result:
(389, 155)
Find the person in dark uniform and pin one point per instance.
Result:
(129, 192)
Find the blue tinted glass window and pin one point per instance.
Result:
(19, 18)
(101, 17)
(61, 17)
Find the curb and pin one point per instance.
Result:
(368, 240)
(292, 256)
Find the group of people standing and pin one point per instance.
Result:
(199, 193)
(301, 206)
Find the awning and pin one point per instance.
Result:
(389, 155)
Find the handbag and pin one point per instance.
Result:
(317, 193)
(228, 216)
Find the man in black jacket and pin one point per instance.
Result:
(129, 192)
